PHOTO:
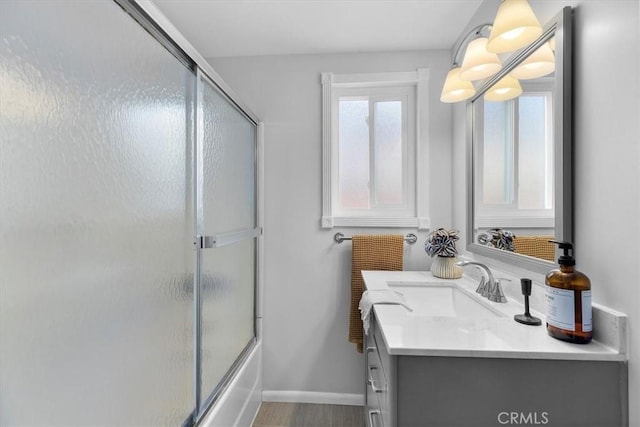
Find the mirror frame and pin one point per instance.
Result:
(561, 27)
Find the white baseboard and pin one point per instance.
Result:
(313, 397)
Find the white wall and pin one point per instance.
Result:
(606, 156)
(307, 275)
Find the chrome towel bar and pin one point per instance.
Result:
(409, 238)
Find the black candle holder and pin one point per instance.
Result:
(526, 318)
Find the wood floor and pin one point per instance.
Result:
(281, 414)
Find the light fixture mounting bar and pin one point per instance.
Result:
(472, 34)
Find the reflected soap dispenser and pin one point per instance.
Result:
(568, 300)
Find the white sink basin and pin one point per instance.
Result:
(441, 299)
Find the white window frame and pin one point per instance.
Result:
(508, 214)
(414, 214)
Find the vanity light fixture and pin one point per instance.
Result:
(506, 88)
(538, 64)
(478, 62)
(455, 89)
(514, 27)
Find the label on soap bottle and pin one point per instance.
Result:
(560, 308)
(587, 322)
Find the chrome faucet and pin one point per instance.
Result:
(490, 288)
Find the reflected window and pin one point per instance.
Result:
(535, 152)
(514, 170)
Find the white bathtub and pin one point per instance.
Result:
(240, 401)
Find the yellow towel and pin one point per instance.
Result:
(535, 246)
(378, 252)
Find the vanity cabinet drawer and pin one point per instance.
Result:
(377, 383)
(383, 356)
(372, 411)
(376, 377)
(387, 367)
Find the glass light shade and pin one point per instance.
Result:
(455, 89)
(478, 63)
(515, 26)
(538, 64)
(506, 88)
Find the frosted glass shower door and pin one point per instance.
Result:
(96, 221)
(227, 214)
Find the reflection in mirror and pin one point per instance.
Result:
(520, 155)
(514, 171)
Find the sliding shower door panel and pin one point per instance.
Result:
(227, 213)
(227, 164)
(96, 265)
(227, 320)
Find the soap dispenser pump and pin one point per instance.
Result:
(568, 300)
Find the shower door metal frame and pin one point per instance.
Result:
(146, 13)
(179, 43)
(203, 242)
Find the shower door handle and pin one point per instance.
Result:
(204, 242)
(209, 242)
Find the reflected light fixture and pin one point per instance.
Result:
(538, 64)
(478, 63)
(514, 27)
(506, 88)
(456, 89)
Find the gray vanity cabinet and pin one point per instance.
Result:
(408, 391)
(380, 375)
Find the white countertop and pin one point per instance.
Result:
(408, 334)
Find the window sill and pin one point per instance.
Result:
(490, 221)
(360, 221)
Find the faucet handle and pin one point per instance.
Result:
(483, 286)
(496, 294)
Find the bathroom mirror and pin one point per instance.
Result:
(519, 154)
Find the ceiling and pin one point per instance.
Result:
(220, 28)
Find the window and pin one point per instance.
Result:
(374, 149)
(515, 165)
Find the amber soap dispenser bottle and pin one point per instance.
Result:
(568, 300)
